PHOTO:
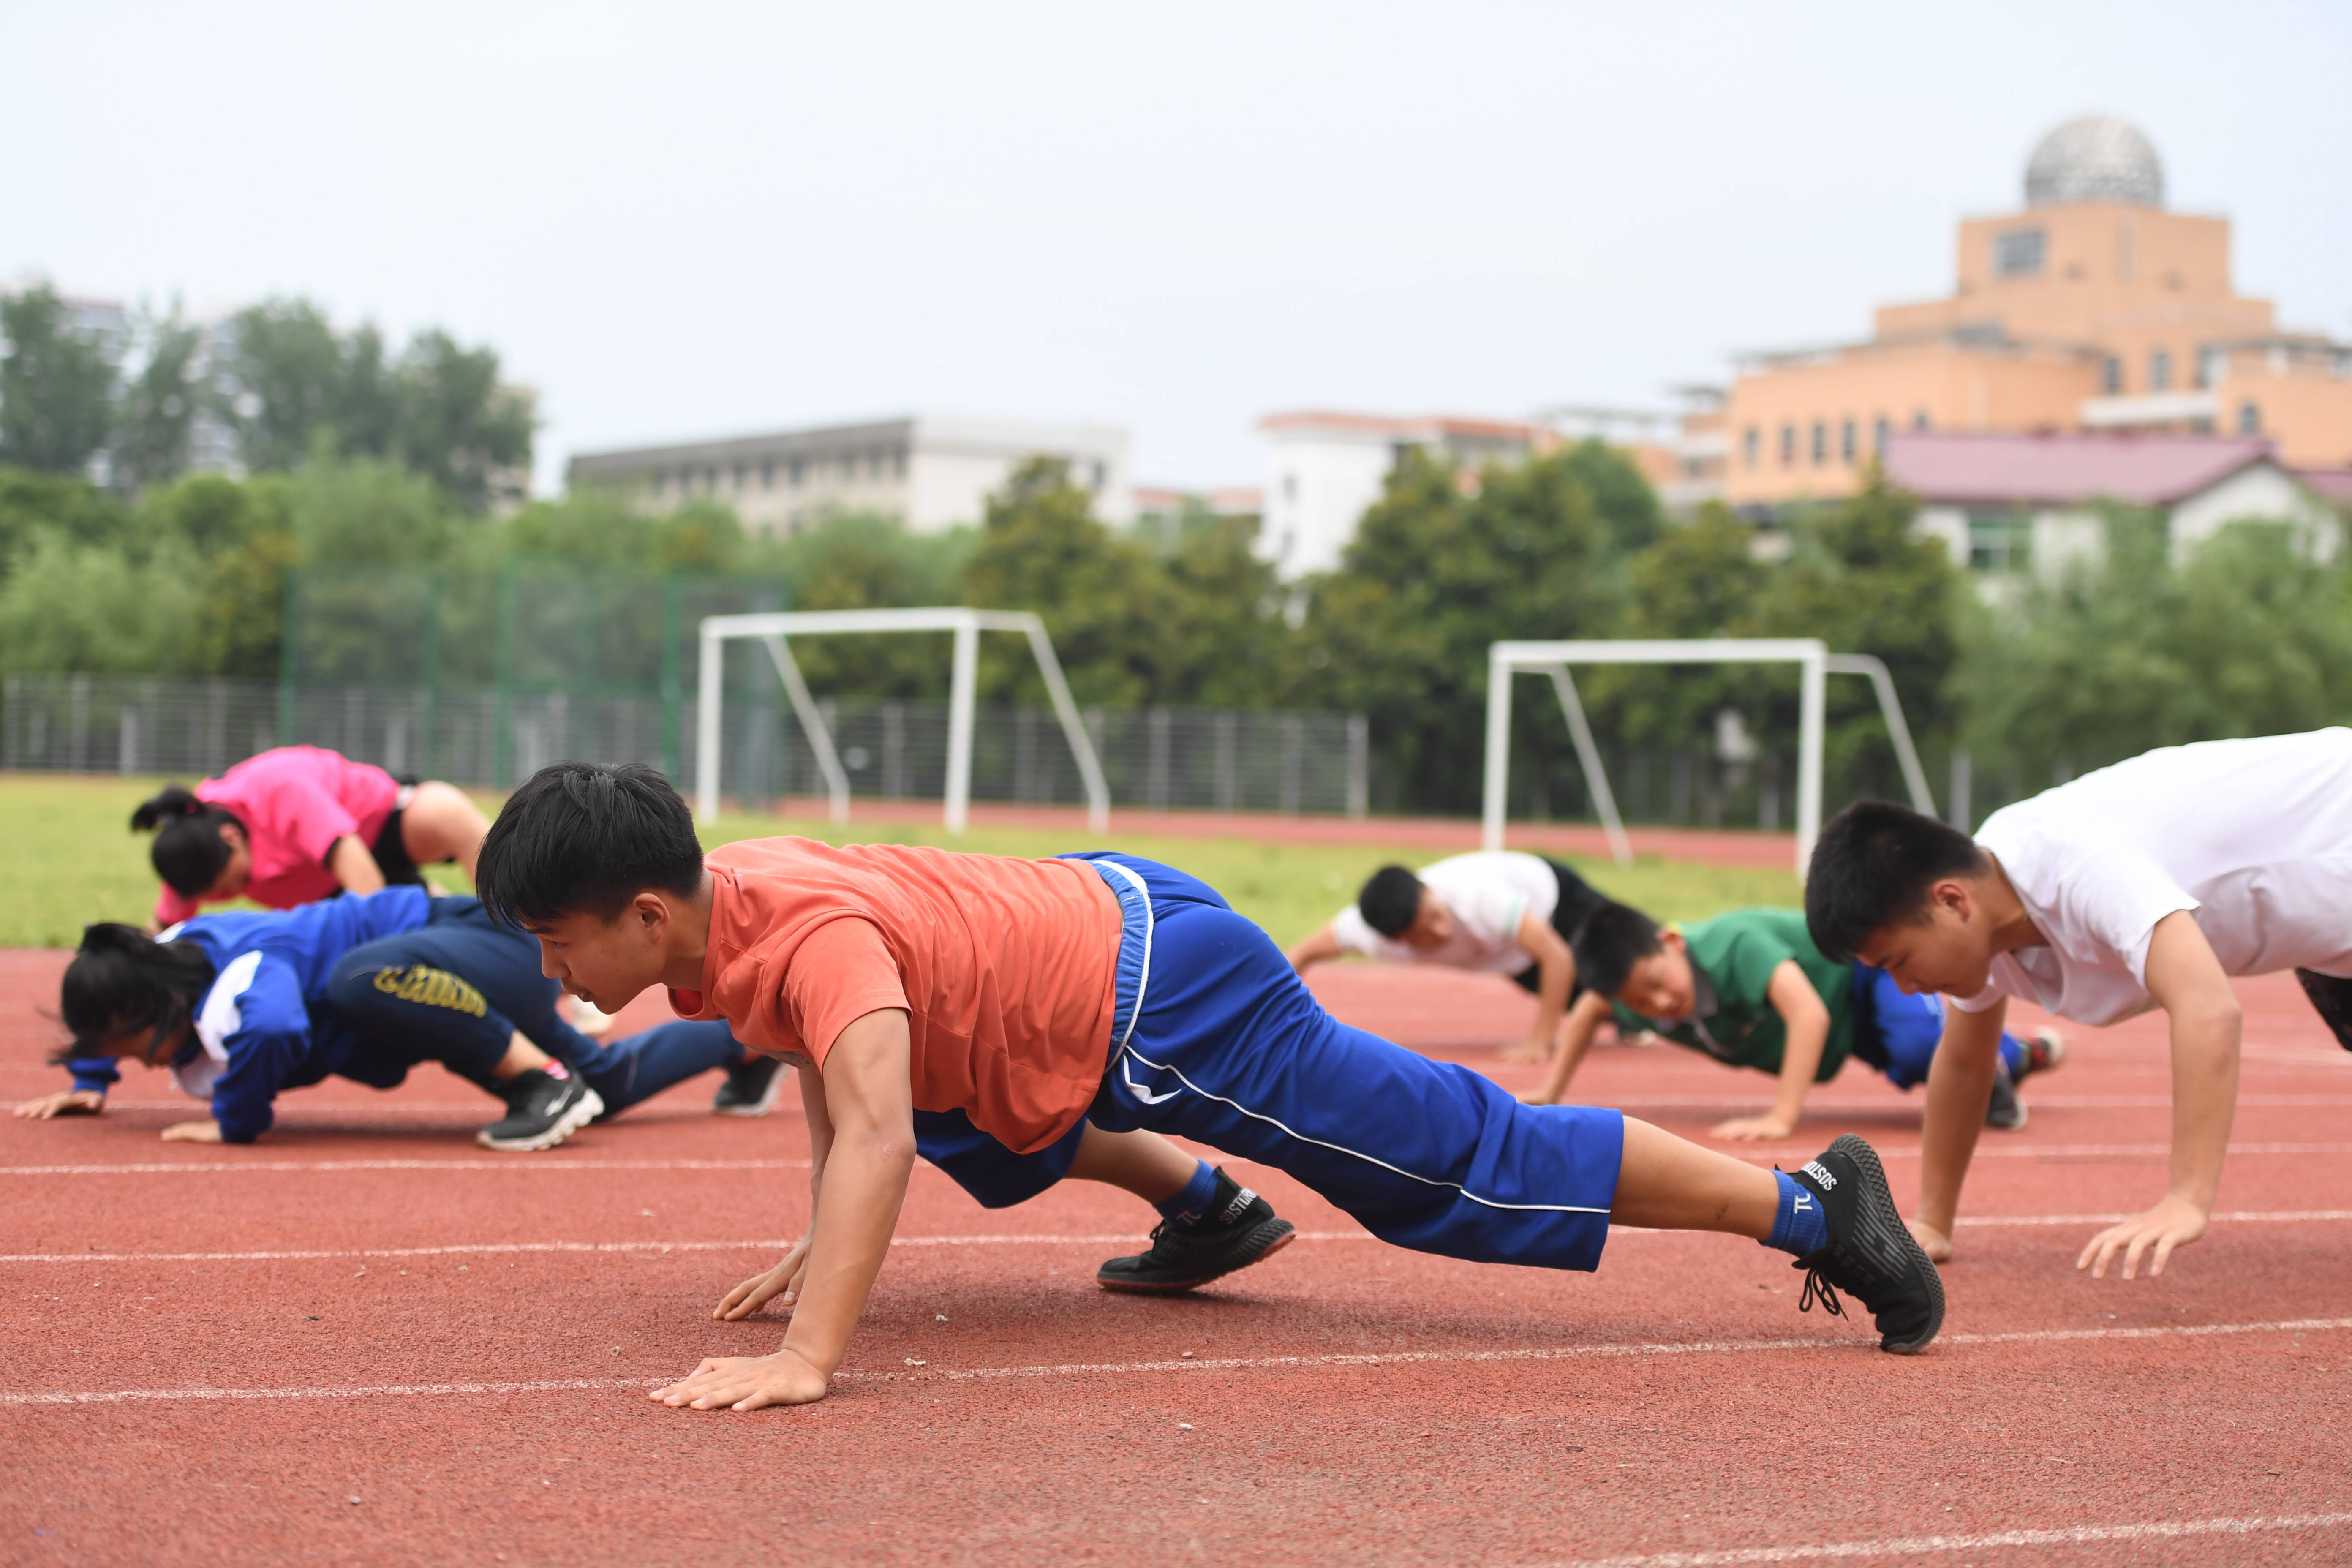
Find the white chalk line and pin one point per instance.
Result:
(1924, 1545)
(530, 1249)
(532, 1163)
(1338, 1359)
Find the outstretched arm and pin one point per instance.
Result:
(354, 865)
(2189, 981)
(1805, 1032)
(783, 1283)
(1323, 946)
(1960, 1086)
(868, 1100)
(1584, 1020)
(1555, 978)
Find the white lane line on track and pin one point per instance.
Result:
(1231, 1364)
(527, 1249)
(512, 1162)
(1924, 1545)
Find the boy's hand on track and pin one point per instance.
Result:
(782, 1282)
(2175, 1222)
(747, 1382)
(204, 1132)
(67, 1102)
(1754, 1129)
(1933, 1242)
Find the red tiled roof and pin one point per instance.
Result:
(2335, 484)
(2056, 468)
(1418, 429)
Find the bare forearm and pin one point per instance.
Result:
(1583, 1023)
(1960, 1086)
(354, 868)
(857, 1209)
(1801, 1061)
(2205, 1054)
(1319, 948)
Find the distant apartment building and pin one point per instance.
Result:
(2093, 308)
(2010, 506)
(1324, 469)
(929, 472)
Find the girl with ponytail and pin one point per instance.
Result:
(240, 1006)
(299, 824)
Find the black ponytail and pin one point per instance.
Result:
(123, 979)
(189, 851)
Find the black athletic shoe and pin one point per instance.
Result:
(1869, 1255)
(2004, 1111)
(545, 1107)
(2045, 1051)
(1239, 1229)
(752, 1086)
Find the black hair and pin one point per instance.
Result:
(189, 851)
(1391, 901)
(586, 839)
(1609, 943)
(1871, 868)
(123, 979)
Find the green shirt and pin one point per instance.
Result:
(1733, 957)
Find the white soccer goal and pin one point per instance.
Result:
(771, 630)
(1814, 663)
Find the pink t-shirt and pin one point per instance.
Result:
(295, 801)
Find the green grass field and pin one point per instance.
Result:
(72, 859)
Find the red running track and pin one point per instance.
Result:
(212, 1353)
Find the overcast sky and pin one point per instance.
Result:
(692, 220)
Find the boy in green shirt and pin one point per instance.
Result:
(1751, 990)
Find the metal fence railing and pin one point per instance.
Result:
(1158, 758)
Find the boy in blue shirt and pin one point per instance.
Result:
(1751, 990)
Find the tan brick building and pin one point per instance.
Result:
(2093, 308)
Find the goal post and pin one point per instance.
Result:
(774, 630)
(1814, 664)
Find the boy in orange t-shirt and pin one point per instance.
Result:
(1037, 998)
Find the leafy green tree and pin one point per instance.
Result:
(56, 386)
(1441, 566)
(33, 506)
(158, 408)
(90, 609)
(457, 425)
(288, 373)
(242, 535)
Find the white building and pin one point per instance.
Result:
(2011, 504)
(1324, 469)
(929, 471)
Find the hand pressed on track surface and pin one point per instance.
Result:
(204, 1132)
(747, 1382)
(1938, 1245)
(780, 1283)
(1765, 1128)
(65, 1102)
(2174, 1223)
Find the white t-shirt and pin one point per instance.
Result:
(2254, 837)
(1489, 894)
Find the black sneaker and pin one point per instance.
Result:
(2004, 1111)
(2045, 1051)
(545, 1107)
(752, 1086)
(1239, 1229)
(1869, 1255)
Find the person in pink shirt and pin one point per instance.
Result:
(299, 824)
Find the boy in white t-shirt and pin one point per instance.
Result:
(1499, 912)
(2145, 884)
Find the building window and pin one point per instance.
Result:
(1919, 420)
(767, 475)
(1788, 445)
(2159, 370)
(1289, 489)
(792, 475)
(2000, 541)
(2250, 418)
(1846, 442)
(2018, 253)
(1747, 445)
(2111, 376)
(1878, 435)
(1820, 443)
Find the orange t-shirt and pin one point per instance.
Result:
(1005, 970)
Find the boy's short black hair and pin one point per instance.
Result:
(1610, 941)
(1391, 901)
(586, 839)
(1871, 869)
